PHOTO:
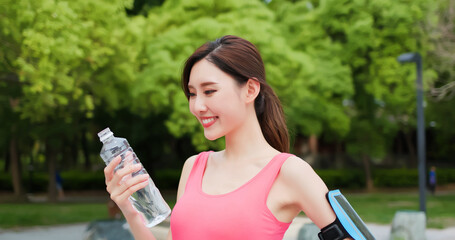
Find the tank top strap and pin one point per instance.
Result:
(270, 173)
(197, 171)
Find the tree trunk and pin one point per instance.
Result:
(299, 148)
(313, 144)
(19, 192)
(51, 158)
(313, 150)
(368, 176)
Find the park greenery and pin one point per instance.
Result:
(68, 69)
(372, 208)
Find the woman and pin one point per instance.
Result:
(252, 189)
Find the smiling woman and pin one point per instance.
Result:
(235, 58)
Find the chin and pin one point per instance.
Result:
(211, 137)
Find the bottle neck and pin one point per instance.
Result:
(109, 139)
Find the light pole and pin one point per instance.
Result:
(415, 57)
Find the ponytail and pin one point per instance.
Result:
(271, 118)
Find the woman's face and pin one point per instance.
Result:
(216, 100)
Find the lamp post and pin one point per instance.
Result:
(415, 57)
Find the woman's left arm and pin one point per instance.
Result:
(308, 191)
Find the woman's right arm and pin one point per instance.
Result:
(120, 191)
(120, 187)
(182, 183)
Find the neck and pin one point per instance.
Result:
(247, 142)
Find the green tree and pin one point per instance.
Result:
(365, 37)
(439, 29)
(68, 56)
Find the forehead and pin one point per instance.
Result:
(204, 72)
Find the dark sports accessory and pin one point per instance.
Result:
(347, 224)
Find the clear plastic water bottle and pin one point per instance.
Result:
(147, 201)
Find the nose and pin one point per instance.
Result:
(199, 105)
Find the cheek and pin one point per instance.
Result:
(232, 108)
(191, 107)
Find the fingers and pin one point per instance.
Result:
(134, 184)
(127, 188)
(127, 171)
(122, 175)
(122, 183)
(128, 159)
(109, 169)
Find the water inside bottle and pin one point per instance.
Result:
(147, 202)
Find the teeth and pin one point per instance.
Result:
(205, 121)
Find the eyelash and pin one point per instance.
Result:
(207, 92)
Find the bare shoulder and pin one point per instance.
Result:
(307, 190)
(301, 178)
(296, 168)
(187, 167)
(189, 162)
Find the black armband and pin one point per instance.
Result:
(333, 231)
(347, 223)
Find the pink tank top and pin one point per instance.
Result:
(240, 214)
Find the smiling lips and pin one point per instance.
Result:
(208, 121)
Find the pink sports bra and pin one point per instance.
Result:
(240, 214)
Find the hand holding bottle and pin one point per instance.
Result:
(126, 178)
(121, 185)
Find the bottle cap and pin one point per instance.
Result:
(105, 134)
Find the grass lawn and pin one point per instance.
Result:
(381, 207)
(32, 214)
(372, 207)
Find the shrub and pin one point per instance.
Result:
(77, 180)
(169, 179)
(5, 182)
(342, 178)
(396, 178)
(445, 176)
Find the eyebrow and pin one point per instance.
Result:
(204, 84)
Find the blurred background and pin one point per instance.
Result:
(69, 69)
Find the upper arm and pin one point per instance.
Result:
(187, 167)
(308, 191)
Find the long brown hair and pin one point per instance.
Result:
(241, 60)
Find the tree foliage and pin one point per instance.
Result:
(362, 39)
(65, 57)
(332, 63)
(70, 55)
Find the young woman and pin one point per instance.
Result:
(252, 189)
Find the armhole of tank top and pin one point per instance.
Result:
(283, 157)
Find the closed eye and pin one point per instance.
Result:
(208, 92)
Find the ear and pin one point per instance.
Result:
(253, 87)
